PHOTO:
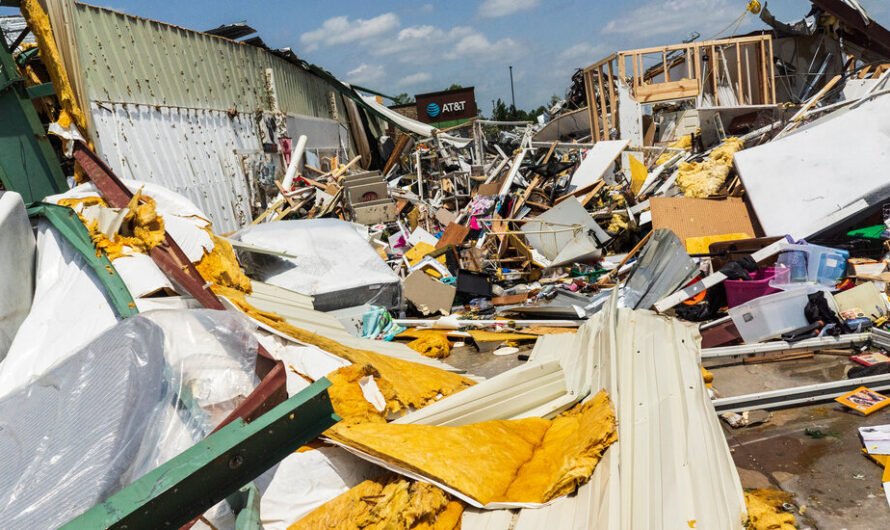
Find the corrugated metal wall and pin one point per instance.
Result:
(198, 153)
(181, 108)
(128, 59)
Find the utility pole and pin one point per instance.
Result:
(512, 93)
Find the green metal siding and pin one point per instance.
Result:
(128, 59)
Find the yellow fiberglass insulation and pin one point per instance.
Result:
(220, 265)
(530, 460)
(765, 510)
(388, 505)
(141, 231)
(38, 22)
(346, 395)
(404, 384)
(703, 179)
(435, 346)
(617, 224)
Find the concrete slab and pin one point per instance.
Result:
(836, 486)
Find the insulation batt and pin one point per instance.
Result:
(392, 504)
(703, 179)
(436, 346)
(142, 229)
(765, 510)
(530, 460)
(404, 384)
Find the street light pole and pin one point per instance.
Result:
(512, 93)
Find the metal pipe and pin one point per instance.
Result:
(814, 344)
(296, 157)
(420, 322)
(799, 395)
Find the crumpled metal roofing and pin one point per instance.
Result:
(671, 467)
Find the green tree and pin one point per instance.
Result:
(402, 99)
(454, 86)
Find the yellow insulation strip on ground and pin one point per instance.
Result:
(436, 346)
(765, 510)
(38, 21)
(407, 385)
(386, 505)
(531, 460)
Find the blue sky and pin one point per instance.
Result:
(410, 46)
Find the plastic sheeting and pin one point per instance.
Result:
(306, 480)
(17, 247)
(330, 257)
(122, 405)
(69, 310)
(69, 438)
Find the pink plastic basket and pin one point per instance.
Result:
(740, 291)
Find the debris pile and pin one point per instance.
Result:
(335, 315)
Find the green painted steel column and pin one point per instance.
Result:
(28, 164)
(69, 225)
(215, 468)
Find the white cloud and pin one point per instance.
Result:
(365, 74)
(421, 43)
(676, 17)
(477, 46)
(502, 8)
(414, 79)
(342, 30)
(581, 54)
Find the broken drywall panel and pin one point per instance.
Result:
(428, 295)
(821, 175)
(597, 161)
(565, 233)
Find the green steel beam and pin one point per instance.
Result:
(246, 503)
(69, 225)
(41, 91)
(215, 468)
(28, 162)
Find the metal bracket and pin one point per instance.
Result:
(41, 91)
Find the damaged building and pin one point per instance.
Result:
(242, 293)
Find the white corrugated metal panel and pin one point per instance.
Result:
(675, 465)
(11, 27)
(478, 519)
(506, 396)
(196, 153)
(671, 466)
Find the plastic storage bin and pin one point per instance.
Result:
(807, 263)
(770, 316)
(740, 291)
